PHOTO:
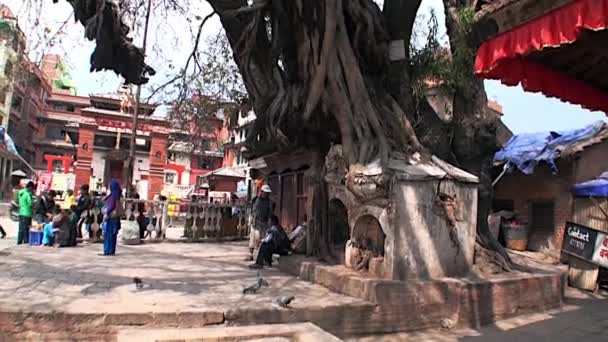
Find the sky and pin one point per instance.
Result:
(171, 41)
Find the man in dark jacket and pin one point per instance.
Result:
(82, 210)
(262, 212)
(275, 242)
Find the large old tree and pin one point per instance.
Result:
(319, 72)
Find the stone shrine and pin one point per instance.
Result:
(414, 219)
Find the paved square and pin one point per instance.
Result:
(178, 277)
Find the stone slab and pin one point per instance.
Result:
(300, 332)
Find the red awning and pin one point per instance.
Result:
(504, 56)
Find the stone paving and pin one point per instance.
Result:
(199, 278)
(178, 277)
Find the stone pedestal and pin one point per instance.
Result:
(426, 213)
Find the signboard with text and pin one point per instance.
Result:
(600, 255)
(63, 182)
(579, 241)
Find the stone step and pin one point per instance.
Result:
(409, 306)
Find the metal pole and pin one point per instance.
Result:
(131, 165)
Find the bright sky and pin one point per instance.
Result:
(524, 112)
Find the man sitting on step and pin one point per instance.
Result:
(275, 242)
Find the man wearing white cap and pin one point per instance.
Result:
(262, 211)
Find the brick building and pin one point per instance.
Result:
(90, 136)
(188, 166)
(23, 93)
(545, 200)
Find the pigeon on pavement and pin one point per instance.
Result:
(253, 289)
(284, 301)
(262, 281)
(139, 284)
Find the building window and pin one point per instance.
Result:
(16, 105)
(204, 163)
(58, 106)
(170, 177)
(57, 166)
(70, 108)
(54, 132)
(200, 180)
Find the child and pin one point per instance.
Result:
(48, 235)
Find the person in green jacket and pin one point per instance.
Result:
(26, 202)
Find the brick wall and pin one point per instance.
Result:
(541, 186)
(158, 158)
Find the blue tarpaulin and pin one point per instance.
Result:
(595, 188)
(525, 151)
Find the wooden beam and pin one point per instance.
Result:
(509, 14)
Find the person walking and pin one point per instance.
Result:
(262, 211)
(82, 211)
(26, 202)
(112, 215)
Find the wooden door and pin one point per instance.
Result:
(542, 225)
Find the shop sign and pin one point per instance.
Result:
(579, 241)
(600, 255)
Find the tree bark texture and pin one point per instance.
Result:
(317, 65)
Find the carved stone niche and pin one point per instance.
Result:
(420, 227)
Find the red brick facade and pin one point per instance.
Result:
(158, 157)
(84, 154)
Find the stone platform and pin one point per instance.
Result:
(56, 293)
(469, 302)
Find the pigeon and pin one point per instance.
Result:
(284, 301)
(253, 289)
(139, 284)
(262, 281)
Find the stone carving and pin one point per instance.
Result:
(367, 182)
(335, 165)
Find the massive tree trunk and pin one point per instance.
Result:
(475, 126)
(316, 66)
(337, 71)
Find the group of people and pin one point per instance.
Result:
(268, 235)
(62, 225)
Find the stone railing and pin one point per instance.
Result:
(199, 220)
